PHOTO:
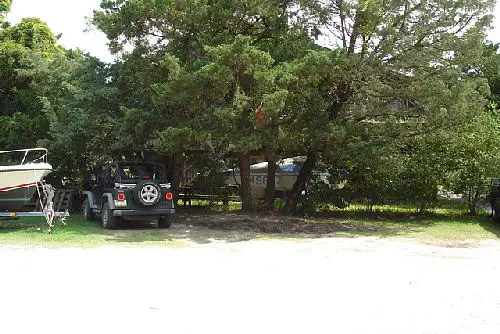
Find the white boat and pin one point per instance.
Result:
(286, 175)
(20, 172)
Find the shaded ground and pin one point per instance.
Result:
(202, 227)
(272, 223)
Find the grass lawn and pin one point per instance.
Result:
(422, 228)
(32, 231)
(448, 221)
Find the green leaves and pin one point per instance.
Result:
(35, 35)
(4, 8)
(27, 52)
(5, 5)
(476, 153)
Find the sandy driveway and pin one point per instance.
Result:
(329, 285)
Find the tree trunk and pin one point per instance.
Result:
(342, 16)
(177, 171)
(271, 181)
(299, 186)
(358, 23)
(245, 185)
(473, 198)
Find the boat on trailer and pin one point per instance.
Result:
(21, 175)
(20, 172)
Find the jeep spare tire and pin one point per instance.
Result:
(147, 193)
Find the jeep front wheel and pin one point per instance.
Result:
(108, 220)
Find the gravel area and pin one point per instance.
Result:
(229, 285)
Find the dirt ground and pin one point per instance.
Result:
(203, 226)
(225, 281)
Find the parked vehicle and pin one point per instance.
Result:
(20, 172)
(21, 175)
(124, 191)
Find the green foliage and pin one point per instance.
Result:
(83, 115)
(491, 71)
(321, 196)
(425, 166)
(5, 5)
(184, 28)
(35, 35)
(214, 105)
(4, 8)
(399, 104)
(475, 153)
(26, 51)
(306, 117)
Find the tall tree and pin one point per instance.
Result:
(25, 50)
(185, 27)
(221, 110)
(406, 51)
(475, 153)
(189, 32)
(396, 64)
(81, 103)
(491, 71)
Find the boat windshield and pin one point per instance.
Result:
(22, 157)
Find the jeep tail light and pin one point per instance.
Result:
(121, 197)
(169, 196)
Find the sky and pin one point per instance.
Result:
(69, 17)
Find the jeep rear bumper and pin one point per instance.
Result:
(152, 212)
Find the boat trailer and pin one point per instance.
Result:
(46, 201)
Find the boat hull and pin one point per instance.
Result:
(286, 175)
(16, 199)
(18, 185)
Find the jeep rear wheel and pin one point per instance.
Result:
(108, 220)
(164, 222)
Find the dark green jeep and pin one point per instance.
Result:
(122, 191)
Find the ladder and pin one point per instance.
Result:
(45, 207)
(62, 201)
